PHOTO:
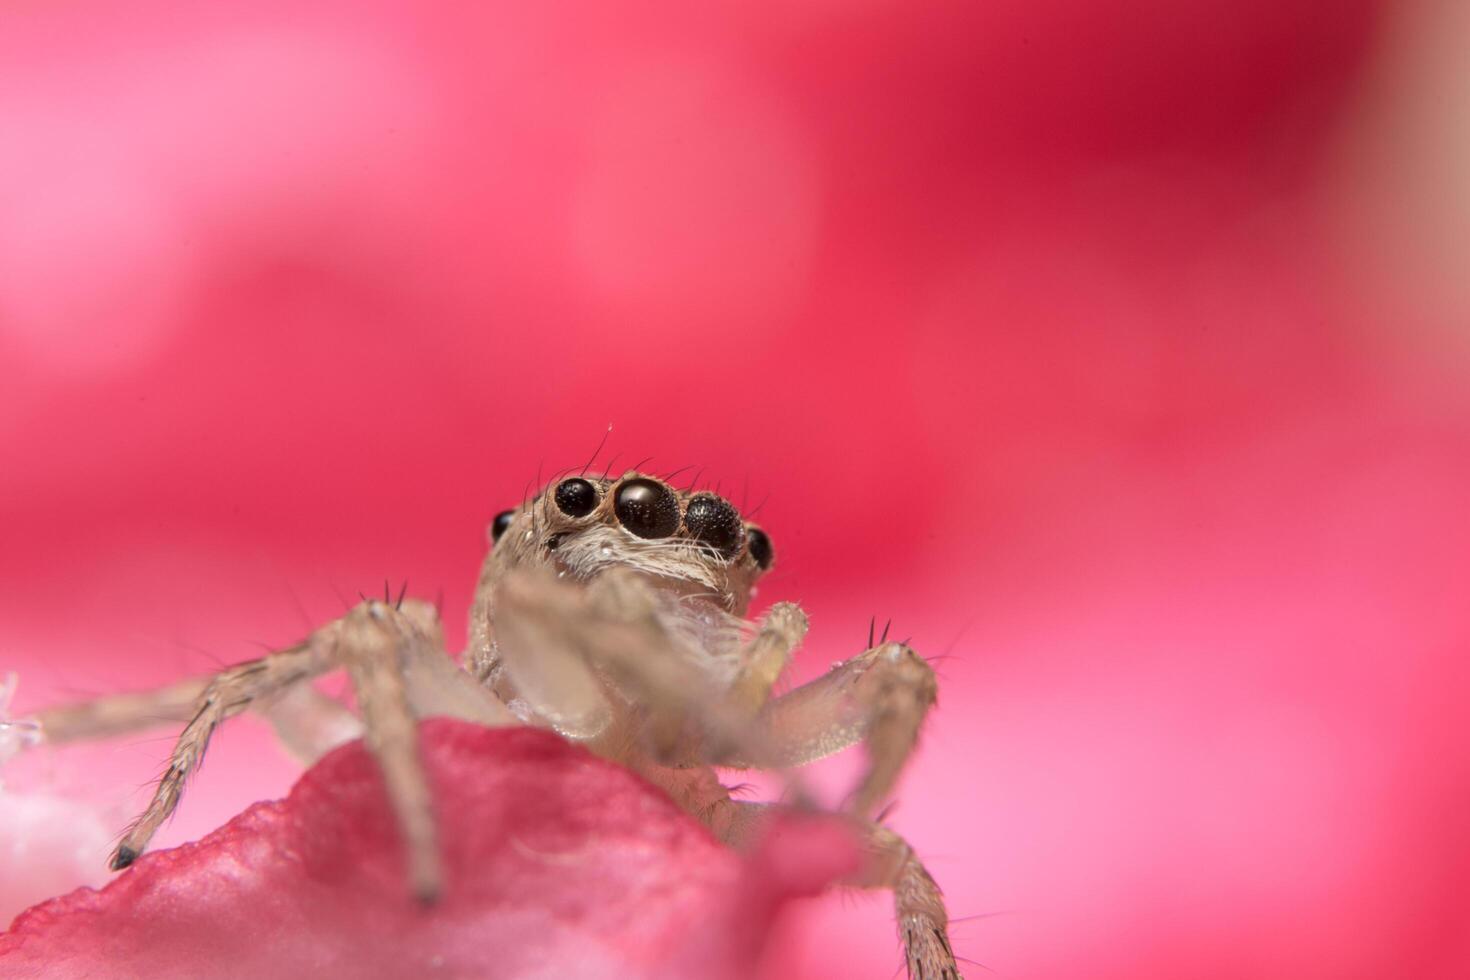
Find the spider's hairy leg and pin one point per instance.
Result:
(119, 714)
(379, 644)
(227, 694)
(918, 905)
(880, 696)
(308, 722)
(889, 863)
(376, 644)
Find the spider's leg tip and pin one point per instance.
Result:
(125, 856)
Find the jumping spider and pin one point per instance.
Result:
(610, 609)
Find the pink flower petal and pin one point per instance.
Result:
(561, 864)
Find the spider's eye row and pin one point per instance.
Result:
(760, 547)
(714, 523)
(501, 522)
(575, 497)
(646, 508)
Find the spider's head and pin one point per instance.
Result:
(691, 542)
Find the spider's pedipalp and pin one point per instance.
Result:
(765, 658)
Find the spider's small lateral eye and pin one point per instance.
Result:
(715, 524)
(575, 497)
(501, 522)
(647, 508)
(760, 547)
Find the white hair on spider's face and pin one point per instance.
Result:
(692, 544)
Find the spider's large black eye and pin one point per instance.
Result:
(713, 522)
(760, 547)
(575, 497)
(647, 508)
(501, 522)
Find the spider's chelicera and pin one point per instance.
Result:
(612, 610)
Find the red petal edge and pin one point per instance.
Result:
(560, 864)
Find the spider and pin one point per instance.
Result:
(612, 610)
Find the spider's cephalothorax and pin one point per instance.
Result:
(612, 610)
(690, 554)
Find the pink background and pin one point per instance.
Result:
(1116, 351)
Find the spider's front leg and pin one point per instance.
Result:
(395, 659)
(119, 714)
(307, 722)
(889, 863)
(226, 694)
(881, 697)
(923, 921)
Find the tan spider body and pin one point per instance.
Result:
(610, 609)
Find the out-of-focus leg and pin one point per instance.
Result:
(309, 723)
(118, 714)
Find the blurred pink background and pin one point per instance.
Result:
(1117, 351)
